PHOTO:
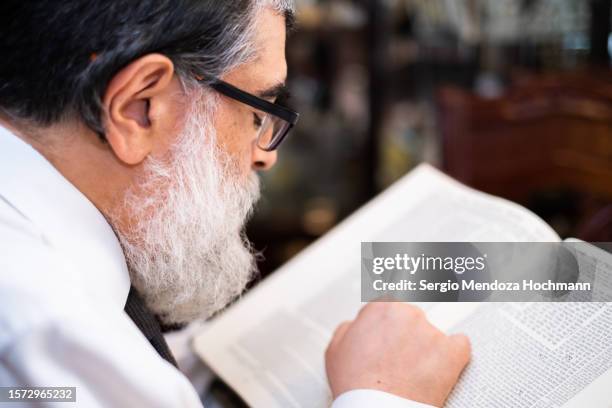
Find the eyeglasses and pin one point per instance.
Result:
(276, 121)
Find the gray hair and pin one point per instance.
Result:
(65, 72)
(236, 47)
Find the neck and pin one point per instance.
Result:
(80, 156)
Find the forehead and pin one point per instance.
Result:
(269, 67)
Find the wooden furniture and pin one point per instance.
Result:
(549, 137)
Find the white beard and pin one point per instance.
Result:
(187, 252)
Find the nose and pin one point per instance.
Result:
(262, 160)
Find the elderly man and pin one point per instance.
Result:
(130, 135)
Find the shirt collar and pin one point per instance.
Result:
(68, 221)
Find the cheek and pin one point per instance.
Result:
(234, 135)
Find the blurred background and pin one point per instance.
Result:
(512, 97)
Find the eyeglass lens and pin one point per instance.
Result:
(272, 129)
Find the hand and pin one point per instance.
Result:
(392, 347)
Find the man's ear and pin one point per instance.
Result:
(135, 102)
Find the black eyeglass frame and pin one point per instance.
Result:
(270, 108)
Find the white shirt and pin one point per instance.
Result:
(63, 286)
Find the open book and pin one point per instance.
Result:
(269, 346)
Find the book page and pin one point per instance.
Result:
(269, 346)
(540, 355)
(533, 354)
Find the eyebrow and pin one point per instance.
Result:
(275, 91)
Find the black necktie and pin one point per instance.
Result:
(148, 325)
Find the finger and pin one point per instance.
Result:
(339, 333)
(368, 308)
(392, 310)
(460, 348)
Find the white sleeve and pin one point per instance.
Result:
(105, 361)
(374, 398)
